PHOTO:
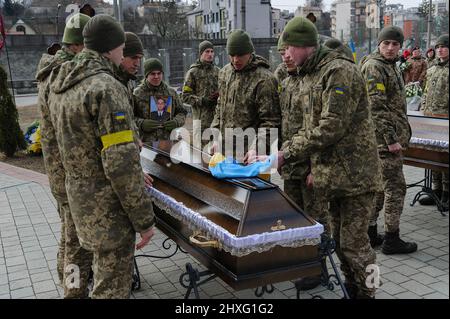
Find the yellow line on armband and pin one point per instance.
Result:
(187, 89)
(117, 138)
(380, 87)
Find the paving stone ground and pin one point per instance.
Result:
(30, 230)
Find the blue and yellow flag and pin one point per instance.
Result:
(352, 47)
(119, 116)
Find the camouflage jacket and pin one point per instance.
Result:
(387, 100)
(432, 62)
(291, 123)
(200, 82)
(142, 108)
(281, 73)
(338, 134)
(416, 71)
(248, 99)
(52, 158)
(45, 60)
(104, 178)
(435, 98)
(129, 81)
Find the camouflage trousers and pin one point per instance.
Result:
(77, 260)
(309, 200)
(113, 271)
(393, 197)
(440, 181)
(349, 220)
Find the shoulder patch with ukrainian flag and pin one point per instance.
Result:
(119, 116)
(339, 90)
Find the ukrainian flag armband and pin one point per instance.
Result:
(112, 139)
(187, 89)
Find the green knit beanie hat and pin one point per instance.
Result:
(203, 46)
(73, 32)
(239, 43)
(133, 45)
(103, 33)
(442, 40)
(300, 32)
(338, 46)
(151, 65)
(392, 33)
(281, 45)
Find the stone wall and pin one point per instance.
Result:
(25, 52)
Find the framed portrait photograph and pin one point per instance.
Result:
(160, 108)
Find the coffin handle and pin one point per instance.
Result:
(201, 241)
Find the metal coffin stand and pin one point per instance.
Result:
(242, 207)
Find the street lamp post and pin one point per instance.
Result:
(57, 19)
(429, 24)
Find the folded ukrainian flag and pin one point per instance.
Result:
(221, 167)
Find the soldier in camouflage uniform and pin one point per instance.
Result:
(153, 87)
(248, 97)
(387, 99)
(201, 91)
(132, 57)
(338, 138)
(70, 252)
(338, 46)
(99, 151)
(435, 103)
(431, 57)
(281, 72)
(297, 174)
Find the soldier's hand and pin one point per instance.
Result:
(170, 125)
(250, 157)
(214, 148)
(309, 181)
(280, 159)
(145, 238)
(395, 148)
(148, 180)
(150, 125)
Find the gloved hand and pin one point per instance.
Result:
(208, 102)
(150, 125)
(170, 125)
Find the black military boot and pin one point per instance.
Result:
(444, 200)
(352, 290)
(375, 238)
(392, 244)
(428, 200)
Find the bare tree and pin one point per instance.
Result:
(165, 21)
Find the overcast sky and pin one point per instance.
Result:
(291, 5)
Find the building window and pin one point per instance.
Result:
(217, 16)
(212, 18)
(21, 28)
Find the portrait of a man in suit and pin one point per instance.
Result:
(160, 114)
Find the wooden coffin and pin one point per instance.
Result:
(241, 207)
(428, 147)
